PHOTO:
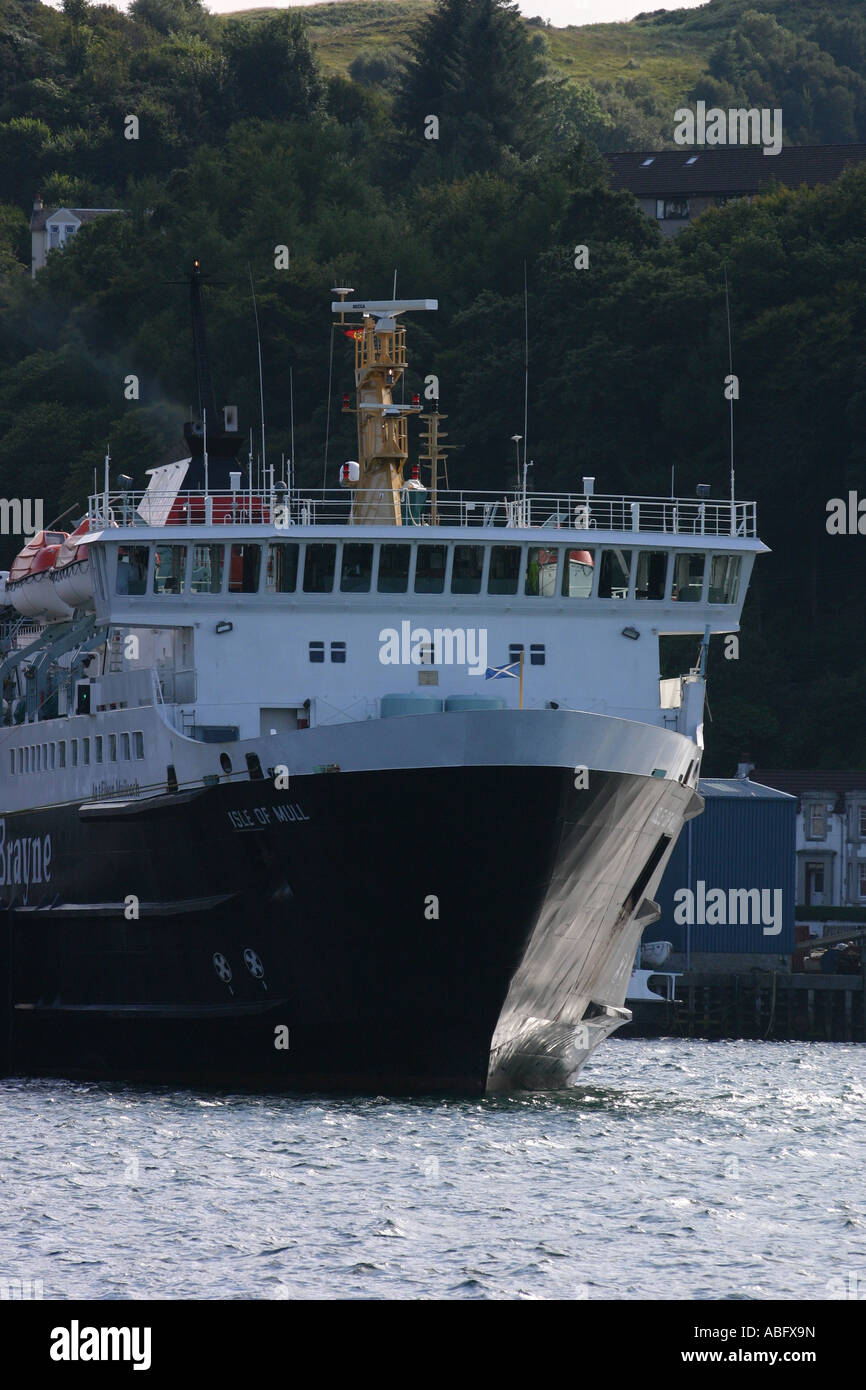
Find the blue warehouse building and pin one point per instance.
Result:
(728, 895)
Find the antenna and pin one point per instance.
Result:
(730, 384)
(525, 367)
(394, 295)
(259, 345)
(291, 427)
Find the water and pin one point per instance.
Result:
(675, 1169)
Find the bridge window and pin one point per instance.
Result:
(724, 578)
(357, 568)
(540, 578)
(688, 578)
(577, 573)
(652, 571)
(320, 563)
(613, 579)
(504, 569)
(131, 575)
(207, 569)
(430, 569)
(170, 569)
(468, 565)
(244, 564)
(281, 575)
(393, 569)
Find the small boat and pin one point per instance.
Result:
(29, 588)
(71, 576)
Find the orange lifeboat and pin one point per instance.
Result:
(29, 588)
(71, 576)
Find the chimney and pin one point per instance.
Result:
(37, 203)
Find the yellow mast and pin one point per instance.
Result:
(380, 360)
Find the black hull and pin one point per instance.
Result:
(391, 913)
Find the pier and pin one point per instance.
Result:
(762, 1004)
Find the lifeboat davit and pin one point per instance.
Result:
(29, 588)
(71, 575)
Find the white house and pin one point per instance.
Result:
(831, 834)
(51, 228)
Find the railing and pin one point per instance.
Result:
(460, 508)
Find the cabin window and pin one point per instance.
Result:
(244, 564)
(393, 569)
(112, 748)
(207, 569)
(124, 748)
(515, 650)
(168, 575)
(357, 568)
(61, 755)
(85, 751)
(12, 761)
(688, 578)
(652, 572)
(338, 651)
(504, 569)
(430, 569)
(319, 564)
(131, 575)
(98, 748)
(613, 579)
(468, 565)
(138, 745)
(537, 654)
(317, 652)
(577, 573)
(724, 578)
(540, 578)
(281, 576)
(74, 752)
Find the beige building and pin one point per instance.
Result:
(51, 228)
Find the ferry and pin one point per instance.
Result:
(362, 789)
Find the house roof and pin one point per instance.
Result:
(740, 787)
(38, 220)
(801, 784)
(730, 169)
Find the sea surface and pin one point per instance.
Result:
(674, 1169)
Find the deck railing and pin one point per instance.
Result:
(459, 508)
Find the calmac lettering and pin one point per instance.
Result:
(24, 861)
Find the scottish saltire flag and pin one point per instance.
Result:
(496, 673)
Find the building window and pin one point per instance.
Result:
(338, 652)
(861, 821)
(466, 573)
(815, 884)
(540, 578)
(281, 575)
(672, 209)
(317, 652)
(131, 569)
(615, 569)
(537, 654)
(688, 578)
(356, 570)
(430, 569)
(577, 573)
(53, 235)
(207, 569)
(69, 230)
(504, 569)
(652, 572)
(393, 569)
(244, 565)
(816, 821)
(320, 563)
(170, 570)
(862, 880)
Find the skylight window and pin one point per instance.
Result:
(693, 159)
(645, 162)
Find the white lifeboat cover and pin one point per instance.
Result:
(165, 484)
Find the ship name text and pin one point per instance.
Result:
(250, 818)
(24, 861)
